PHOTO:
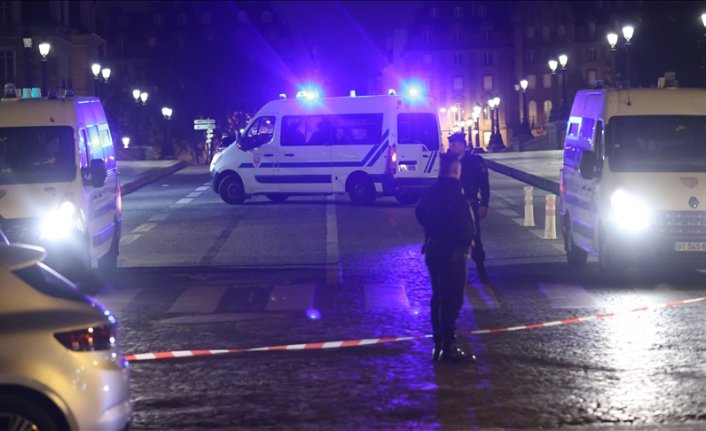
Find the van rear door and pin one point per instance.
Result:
(417, 145)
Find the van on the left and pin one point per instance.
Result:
(59, 182)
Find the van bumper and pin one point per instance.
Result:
(651, 250)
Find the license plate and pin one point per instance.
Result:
(690, 246)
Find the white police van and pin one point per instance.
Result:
(364, 146)
(59, 184)
(633, 182)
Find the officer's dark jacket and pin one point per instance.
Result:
(474, 179)
(445, 215)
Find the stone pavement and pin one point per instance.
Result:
(536, 168)
(135, 174)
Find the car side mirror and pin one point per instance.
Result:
(98, 172)
(587, 165)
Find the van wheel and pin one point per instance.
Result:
(231, 190)
(277, 197)
(361, 189)
(17, 412)
(607, 263)
(408, 197)
(576, 256)
(109, 262)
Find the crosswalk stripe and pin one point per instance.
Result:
(194, 194)
(567, 296)
(183, 201)
(116, 300)
(158, 217)
(386, 296)
(202, 188)
(127, 239)
(291, 297)
(198, 300)
(144, 227)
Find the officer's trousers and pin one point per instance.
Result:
(477, 252)
(448, 272)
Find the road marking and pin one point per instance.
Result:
(144, 227)
(202, 188)
(568, 296)
(333, 258)
(291, 297)
(127, 239)
(158, 217)
(507, 213)
(198, 300)
(116, 300)
(193, 195)
(183, 201)
(386, 296)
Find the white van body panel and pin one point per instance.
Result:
(649, 164)
(326, 167)
(25, 203)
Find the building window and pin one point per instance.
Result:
(181, 19)
(458, 12)
(458, 83)
(547, 110)
(547, 80)
(242, 17)
(485, 34)
(592, 29)
(530, 56)
(530, 32)
(267, 17)
(434, 12)
(532, 81)
(561, 31)
(591, 53)
(121, 46)
(546, 33)
(482, 10)
(487, 58)
(159, 19)
(7, 66)
(5, 12)
(123, 22)
(487, 82)
(591, 77)
(532, 113)
(458, 59)
(205, 18)
(457, 36)
(426, 37)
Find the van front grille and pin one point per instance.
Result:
(680, 223)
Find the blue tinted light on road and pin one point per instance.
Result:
(313, 314)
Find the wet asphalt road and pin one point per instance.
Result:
(196, 273)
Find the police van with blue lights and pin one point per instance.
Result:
(365, 146)
(633, 182)
(59, 185)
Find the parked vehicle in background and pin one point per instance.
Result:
(633, 182)
(59, 183)
(61, 365)
(364, 146)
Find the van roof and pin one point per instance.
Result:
(606, 103)
(45, 112)
(343, 104)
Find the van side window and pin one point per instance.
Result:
(94, 143)
(108, 150)
(586, 138)
(418, 129)
(83, 148)
(357, 129)
(598, 141)
(260, 132)
(574, 130)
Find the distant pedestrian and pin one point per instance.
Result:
(476, 189)
(448, 229)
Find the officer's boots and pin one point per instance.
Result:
(436, 351)
(450, 352)
(482, 273)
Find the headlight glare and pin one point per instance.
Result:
(628, 212)
(59, 223)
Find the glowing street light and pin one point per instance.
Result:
(126, 141)
(44, 49)
(106, 74)
(143, 97)
(136, 94)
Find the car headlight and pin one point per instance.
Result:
(628, 212)
(60, 222)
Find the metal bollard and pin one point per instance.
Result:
(529, 206)
(550, 218)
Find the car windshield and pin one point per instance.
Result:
(657, 143)
(45, 280)
(36, 154)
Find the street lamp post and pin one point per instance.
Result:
(553, 64)
(44, 49)
(496, 143)
(29, 79)
(96, 70)
(526, 129)
(476, 116)
(136, 95)
(563, 61)
(613, 41)
(628, 31)
(167, 114)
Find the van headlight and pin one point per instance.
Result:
(215, 160)
(628, 212)
(61, 222)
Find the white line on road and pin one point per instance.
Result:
(116, 300)
(202, 188)
(291, 297)
(127, 239)
(144, 227)
(333, 257)
(193, 195)
(567, 296)
(158, 217)
(183, 201)
(198, 300)
(385, 296)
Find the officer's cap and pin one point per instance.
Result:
(457, 137)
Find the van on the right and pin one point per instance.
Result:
(633, 181)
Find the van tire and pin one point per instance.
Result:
(607, 264)
(277, 197)
(408, 197)
(21, 410)
(575, 256)
(361, 189)
(231, 190)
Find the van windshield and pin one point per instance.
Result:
(40, 154)
(657, 143)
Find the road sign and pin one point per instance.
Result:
(204, 126)
(204, 121)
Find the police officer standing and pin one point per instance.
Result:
(449, 229)
(474, 181)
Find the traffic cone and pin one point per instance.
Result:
(550, 218)
(529, 206)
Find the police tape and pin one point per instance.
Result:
(176, 354)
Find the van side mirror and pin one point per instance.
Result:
(587, 165)
(98, 173)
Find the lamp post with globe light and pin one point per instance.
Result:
(526, 129)
(496, 143)
(44, 49)
(166, 148)
(628, 32)
(563, 61)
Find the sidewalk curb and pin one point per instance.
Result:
(150, 176)
(525, 177)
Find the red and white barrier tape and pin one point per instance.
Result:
(139, 357)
